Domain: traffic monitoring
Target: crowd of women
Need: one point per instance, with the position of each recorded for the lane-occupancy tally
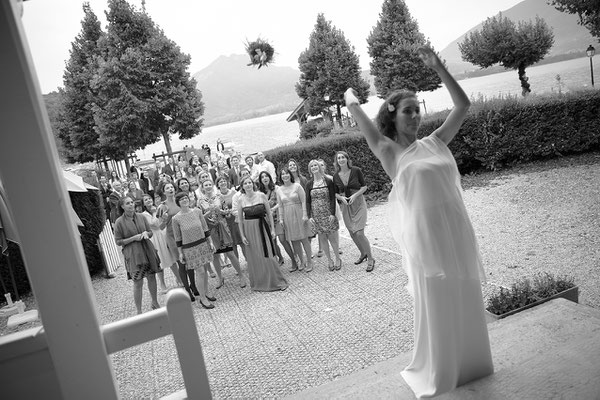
(199, 222)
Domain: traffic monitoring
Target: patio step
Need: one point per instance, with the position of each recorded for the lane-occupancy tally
(551, 351)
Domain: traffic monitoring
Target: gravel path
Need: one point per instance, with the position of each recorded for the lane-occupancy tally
(540, 217)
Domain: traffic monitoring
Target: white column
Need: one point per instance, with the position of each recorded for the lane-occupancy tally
(53, 254)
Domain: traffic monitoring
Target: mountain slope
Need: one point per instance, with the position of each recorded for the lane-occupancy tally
(569, 37)
(233, 91)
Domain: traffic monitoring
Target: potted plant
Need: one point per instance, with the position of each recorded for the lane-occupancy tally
(530, 292)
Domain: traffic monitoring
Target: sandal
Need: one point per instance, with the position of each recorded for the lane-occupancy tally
(309, 267)
(294, 268)
(370, 265)
(331, 266)
(338, 266)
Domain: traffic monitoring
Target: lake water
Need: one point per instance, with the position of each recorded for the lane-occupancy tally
(264, 133)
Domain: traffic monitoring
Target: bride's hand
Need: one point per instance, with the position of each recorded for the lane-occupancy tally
(350, 97)
(429, 58)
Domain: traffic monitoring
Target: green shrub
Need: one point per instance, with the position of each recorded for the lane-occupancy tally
(496, 133)
(526, 291)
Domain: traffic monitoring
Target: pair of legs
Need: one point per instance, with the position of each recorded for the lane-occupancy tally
(188, 279)
(333, 238)
(161, 277)
(305, 261)
(361, 241)
(289, 250)
(202, 276)
(235, 262)
(138, 285)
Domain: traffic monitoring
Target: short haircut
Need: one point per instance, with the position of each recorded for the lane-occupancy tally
(180, 196)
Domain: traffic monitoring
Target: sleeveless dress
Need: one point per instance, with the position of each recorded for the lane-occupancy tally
(263, 269)
(159, 240)
(294, 226)
(320, 210)
(441, 258)
(219, 230)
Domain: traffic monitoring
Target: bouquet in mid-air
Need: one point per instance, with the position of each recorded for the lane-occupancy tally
(261, 53)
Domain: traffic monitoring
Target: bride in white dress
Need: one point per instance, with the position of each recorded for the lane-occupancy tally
(439, 249)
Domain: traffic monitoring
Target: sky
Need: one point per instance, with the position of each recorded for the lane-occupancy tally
(207, 29)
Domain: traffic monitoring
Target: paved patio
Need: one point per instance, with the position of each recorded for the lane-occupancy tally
(269, 345)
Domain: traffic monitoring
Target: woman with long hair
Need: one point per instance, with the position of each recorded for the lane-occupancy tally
(294, 170)
(294, 219)
(212, 208)
(133, 234)
(159, 240)
(226, 193)
(350, 186)
(430, 222)
(256, 228)
(321, 210)
(114, 176)
(136, 194)
(267, 186)
(183, 185)
(194, 244)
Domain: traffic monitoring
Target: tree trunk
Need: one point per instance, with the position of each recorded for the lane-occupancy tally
(339, 115)
(167, 141)
(523, 78)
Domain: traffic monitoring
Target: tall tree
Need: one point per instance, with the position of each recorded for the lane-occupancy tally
(393, 45)
(144, 89)
(327, 68)
(588, 12)
(502, 42)
(75, 119)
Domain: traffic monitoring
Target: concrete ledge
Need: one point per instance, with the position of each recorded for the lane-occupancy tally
(548, 352)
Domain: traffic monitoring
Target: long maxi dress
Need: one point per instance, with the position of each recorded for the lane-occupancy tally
(263, 269)
(441, 258)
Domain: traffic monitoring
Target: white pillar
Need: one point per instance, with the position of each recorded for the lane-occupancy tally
(53, 254)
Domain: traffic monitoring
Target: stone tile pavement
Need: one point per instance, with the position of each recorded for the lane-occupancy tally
(269, 345)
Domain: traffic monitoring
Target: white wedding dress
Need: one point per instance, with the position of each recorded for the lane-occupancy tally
(441, 258)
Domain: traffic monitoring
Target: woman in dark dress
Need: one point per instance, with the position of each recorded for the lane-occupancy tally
(133, 234)
(350, 186)
(256, 228)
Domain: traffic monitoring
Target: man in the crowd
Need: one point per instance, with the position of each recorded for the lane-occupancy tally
(252, 168)
(113, 200)
(265, 165)
(169, 169)
(234, 171)
(105, 190)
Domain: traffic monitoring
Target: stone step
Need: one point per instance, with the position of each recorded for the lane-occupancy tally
(551, 351)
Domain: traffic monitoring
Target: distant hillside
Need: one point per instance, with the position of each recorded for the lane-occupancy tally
(233, 91)
(569, 37)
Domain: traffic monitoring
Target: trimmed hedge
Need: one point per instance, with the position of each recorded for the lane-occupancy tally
(496, 133)
(88, 206)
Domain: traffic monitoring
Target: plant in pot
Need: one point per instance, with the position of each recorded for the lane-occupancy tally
(529, 292)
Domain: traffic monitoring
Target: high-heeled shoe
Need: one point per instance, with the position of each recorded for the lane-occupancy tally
(338, 266)
(370, 265)
(208, 307)
(360, 259)
(192, 298)
(211, 298)
(194, 290)
(220, 285)
(331, 266)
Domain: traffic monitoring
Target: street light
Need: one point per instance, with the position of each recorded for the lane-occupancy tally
(590, 53)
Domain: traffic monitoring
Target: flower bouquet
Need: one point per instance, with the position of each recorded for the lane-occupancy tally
(261, 52)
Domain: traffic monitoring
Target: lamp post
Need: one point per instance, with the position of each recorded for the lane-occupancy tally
(590, 53)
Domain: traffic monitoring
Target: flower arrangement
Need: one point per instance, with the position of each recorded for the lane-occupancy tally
(527, 291)
(261, 53)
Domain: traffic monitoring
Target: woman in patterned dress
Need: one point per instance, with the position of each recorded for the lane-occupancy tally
(194, 244)
(133, 234)
(256, 228)
(227, 194)
(212, 208)
(321, 210)
(350, 186)
(294, 219)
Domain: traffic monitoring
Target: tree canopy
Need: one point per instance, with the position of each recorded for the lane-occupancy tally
(588, 12)
(328, 67)
(75, 119)
(393, 45)
(126, 88)
(501, 41)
